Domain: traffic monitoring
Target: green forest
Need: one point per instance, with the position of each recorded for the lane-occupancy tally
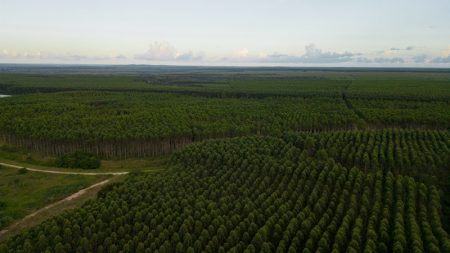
(255, 159)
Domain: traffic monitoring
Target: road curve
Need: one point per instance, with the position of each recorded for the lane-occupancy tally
(66, 172)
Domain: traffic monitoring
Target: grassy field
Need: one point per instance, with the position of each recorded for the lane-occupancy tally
(24, 191)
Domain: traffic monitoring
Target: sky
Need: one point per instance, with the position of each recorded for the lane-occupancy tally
(380, 33)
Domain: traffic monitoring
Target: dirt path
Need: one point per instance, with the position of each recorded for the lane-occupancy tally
(66, 199)
(69, 198)
(65, 172)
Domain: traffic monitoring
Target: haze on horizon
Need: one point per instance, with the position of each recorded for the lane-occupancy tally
(381, 33)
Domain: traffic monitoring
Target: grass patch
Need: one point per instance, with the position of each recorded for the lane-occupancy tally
(23, 192)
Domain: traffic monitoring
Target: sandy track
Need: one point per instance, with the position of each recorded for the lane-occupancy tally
(66, 199)
(66, 172)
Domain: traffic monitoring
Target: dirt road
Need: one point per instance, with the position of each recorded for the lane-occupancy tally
(66, 199)
(66, 172)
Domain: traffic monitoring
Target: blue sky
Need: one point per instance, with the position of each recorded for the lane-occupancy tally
(246, 32)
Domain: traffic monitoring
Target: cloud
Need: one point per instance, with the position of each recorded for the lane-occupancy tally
(121, 57)
(242, 53)
(7, 54)
(394, 60)
(164, 51)
(62, 57)
(383, 60)
(189, 56)
(408, 48)
(363, 60)
(441, 59)
(420, 58)
(315, 55)
(4, 54)
(312, 55)
(161, 51)
(396, 50)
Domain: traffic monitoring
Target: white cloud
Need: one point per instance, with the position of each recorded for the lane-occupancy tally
(316, 56)
(396, 50)
(160, 51)
(164, 51)
(393, 60)
(189, 56)
(25, 56)
(441, 59)
(242, 53)
(408, 48)
(312, 55)
(381, 60)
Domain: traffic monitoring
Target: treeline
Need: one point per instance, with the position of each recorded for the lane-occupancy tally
(249, 195)
(121, 125)
(107, 149)
(255, 85)
(409, 86)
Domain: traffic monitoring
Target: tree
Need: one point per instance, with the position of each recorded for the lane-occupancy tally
(79, 159)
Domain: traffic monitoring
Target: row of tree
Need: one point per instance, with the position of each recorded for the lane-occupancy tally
(418, 153)
(249, 195)
(422, 154)
(404, 113)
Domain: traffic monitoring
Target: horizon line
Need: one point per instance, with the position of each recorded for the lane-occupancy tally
(222, 66)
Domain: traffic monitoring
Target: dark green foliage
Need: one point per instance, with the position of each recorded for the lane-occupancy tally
(124, 125)
(422, 154)
(122, 116)
(250, 195)
(5, 220)
(335, 173)
(78, 159)
(22, 171)
(404, 113)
